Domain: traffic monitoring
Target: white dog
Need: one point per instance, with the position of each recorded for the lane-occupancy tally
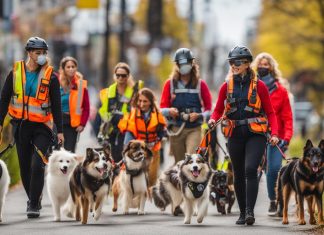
(194, 176)
(61, 165)
(4, 184)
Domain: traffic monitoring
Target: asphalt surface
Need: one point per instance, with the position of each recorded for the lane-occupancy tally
(153, 222)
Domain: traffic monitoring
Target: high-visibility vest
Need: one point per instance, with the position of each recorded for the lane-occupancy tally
(109, 94)
(147, 132)
(22, 106)
(75, 101)
(258, 124)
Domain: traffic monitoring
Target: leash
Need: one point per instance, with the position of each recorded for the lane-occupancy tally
(172, 134)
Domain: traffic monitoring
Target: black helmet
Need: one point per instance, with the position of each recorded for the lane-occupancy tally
(240, 52)
(183, 56)
(36, 43)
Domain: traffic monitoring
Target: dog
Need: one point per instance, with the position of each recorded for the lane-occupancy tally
(4, 185)
(195, 174)
(304, 176)
(90, 183)
(222, 189)
(168, 190)
(132, 182)
(60, 166)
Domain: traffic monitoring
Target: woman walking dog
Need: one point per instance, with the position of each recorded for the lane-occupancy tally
(245, 110)
(32, 93)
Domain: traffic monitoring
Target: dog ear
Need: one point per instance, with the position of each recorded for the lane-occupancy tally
(321, 146)
(89, 152)
(308, 145)
(126, 148)
(187, 157)
(107, 150)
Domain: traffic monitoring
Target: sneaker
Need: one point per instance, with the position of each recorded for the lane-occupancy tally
(241, 219)
(272, 209)
(249, 217)
(33, 212)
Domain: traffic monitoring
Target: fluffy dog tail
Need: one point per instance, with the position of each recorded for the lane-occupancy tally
(158, 198)
(69, 208)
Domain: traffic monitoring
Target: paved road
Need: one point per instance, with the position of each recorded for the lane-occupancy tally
(153, 222)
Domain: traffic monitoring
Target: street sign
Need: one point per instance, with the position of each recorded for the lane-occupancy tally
(93, 4)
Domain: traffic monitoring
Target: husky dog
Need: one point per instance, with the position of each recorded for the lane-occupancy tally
(90, 183)
(168, 190)
(60, 166)
(195, 173)
(304, 176)
(132, 182)
(4, 185)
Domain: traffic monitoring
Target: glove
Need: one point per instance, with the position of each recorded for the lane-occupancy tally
(283, 145)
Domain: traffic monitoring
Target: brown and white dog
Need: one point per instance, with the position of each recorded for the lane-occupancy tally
(195, 173)
(90, 183)
(132, 182)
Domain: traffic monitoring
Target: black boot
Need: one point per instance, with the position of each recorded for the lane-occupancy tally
(249, 216)
(241, 219)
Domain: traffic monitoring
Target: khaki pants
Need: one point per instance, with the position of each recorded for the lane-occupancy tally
(154, 168)
(186, 142)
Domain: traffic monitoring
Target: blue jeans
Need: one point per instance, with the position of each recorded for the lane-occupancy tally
(274, 160)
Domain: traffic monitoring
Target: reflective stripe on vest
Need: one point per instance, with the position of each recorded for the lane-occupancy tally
(110, 93)
(197, 90)
(75, 101)
(36, 109)
(258, 124)
(147, 132)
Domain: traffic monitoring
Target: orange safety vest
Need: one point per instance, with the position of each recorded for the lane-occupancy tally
(22, 106)
(75, 100)
(141, 130)
(257, 124)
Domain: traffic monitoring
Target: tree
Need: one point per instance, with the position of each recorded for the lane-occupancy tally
(293, 32)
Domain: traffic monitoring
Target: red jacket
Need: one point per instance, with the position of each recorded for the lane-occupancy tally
(265, 103)
(281, 105)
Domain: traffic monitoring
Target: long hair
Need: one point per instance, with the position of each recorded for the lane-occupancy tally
(130, 79)
(274, 70)
(194, 73)
(148, 93)
(64, 81)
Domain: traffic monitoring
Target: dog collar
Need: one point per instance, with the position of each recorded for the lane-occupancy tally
(197, 189)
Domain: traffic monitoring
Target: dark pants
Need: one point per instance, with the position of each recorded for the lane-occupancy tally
(70, 138)
(116, 141)
(69, 133)
(32, 167)
(246, 153)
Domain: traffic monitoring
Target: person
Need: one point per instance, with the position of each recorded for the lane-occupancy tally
(31, 96)
(268, 72)
(184, 96)
(75, 101)
(145, 122)
(244, 109)
(116, 101)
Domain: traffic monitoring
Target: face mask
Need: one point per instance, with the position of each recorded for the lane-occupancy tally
(41, 60)
(263, 72)
(185, 69)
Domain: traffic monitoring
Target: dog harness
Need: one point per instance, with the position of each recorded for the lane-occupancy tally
(134, 173)
(94, 184)
(197, 189)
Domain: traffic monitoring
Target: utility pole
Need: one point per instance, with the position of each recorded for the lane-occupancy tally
(122, 44)
(191, 20)
(105, 63)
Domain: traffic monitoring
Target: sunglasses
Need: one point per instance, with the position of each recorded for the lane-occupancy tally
(121, 75)
(237, 62)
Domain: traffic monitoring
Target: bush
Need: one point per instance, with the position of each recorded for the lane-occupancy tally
(296, 146)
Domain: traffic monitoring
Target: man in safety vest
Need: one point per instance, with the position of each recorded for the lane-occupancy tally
(31, 96)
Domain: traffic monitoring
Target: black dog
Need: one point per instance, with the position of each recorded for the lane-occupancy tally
(221, 192)
(304, 176)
